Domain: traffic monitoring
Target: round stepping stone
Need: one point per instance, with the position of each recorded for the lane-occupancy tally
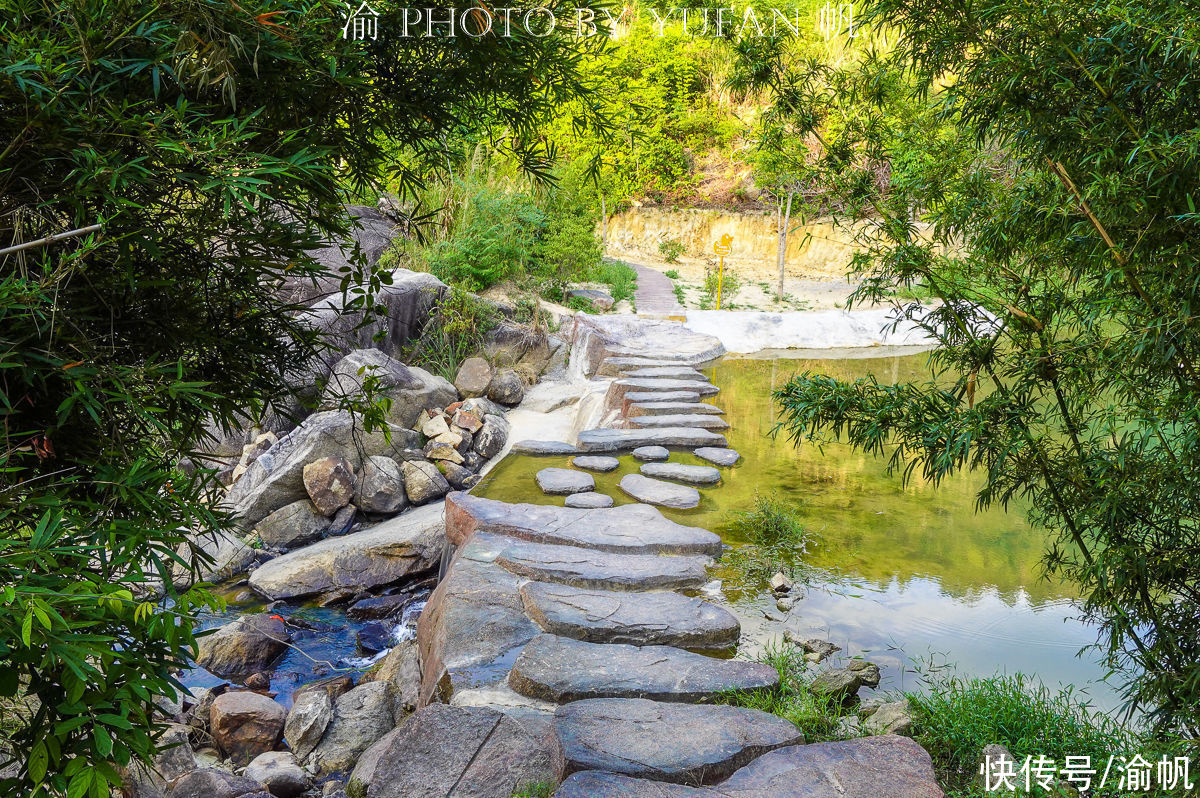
(691, 743)
(703, 421)
(564, 481)
(543, 447)
(589, 500)
(594, 462)
(651, 453)
(697, 475)
(664, 494)
(559, 669)
(724, 457)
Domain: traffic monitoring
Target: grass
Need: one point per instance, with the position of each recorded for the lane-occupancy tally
(778, 541)
(537, 789)
(620, 278)
(674, 275)
(455, 331)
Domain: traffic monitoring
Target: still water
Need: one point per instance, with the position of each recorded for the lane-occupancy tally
(909, 576)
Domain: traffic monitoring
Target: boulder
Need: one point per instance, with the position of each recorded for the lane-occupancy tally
(481, 406)
(431, 427)
(279, 772)
(246, 724)
(377, 607)
(360, 717)
(473, 378)
(306, 722)
(373, 637)
(468, 421)
(843, 684)
(570, 565)
(588, 501)
(506, 388)
(401, 669)
(380, 555)
(292, 525)
(371, 232)
(329, 483)
(663, 494)
(563, 481)
(423, 482)
(213, 783)
(444, 751)
(380, 487)
(491, 436)
(651, 341)
(460, 478)
(249, 645)
(892, 717)
(438, 450)
(229, 554)
(617, 389)
(350, 375)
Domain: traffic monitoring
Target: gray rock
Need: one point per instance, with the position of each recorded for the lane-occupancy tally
(380, 487)
(588, 501)
(635, 409)
(213, 783)
(564, 481)
(438, 450)
(619, 366)
(893, 717)
(491, 436)
(682, 743)
(816, 650)
(423, 482)
(307, 721)
(598, 784)
(720, 456)
(640, 619)
(629, 529)
(377, 556)
(329, 482)
(543, 448)
(279, 772)
(642, 397)
(843, 684)
(459, 477)
(401, 668)
(370, 230)
(600, 300)
(249, 645)
(619, 440)
(599, 463)
(245, 724)
(349, 375)
(651, 453)
(699, 420)
(697, 475)
(570, 565)
(506, 388)
(292, 525)
(460, 751)
(618, 388)
(482, 406)
(665, 372)
(664, 494)
(866, 767)
(561, 670)
(473, 377)
(230, 554)
(598, 338)
(360, 717)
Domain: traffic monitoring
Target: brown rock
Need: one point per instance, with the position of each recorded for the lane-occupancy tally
(329, 483)
(246, 724)
(247, 646)
(473, 377)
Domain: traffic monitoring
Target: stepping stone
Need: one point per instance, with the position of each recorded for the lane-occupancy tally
(564, 481)
(620, 440)
(634, 409)
(681, 420)
(599, 463)
(724, 457)
(697, 475)
(629, 529)
(617, 366)
(640, 619)
(692, 743)
(570, 565)
(666, 372)
(618, 388)
(598, 784)
(589, 501)
(866, 767)
(637, 397)
(543, 447)
(651, 453)
(664, 494)
(561, 670)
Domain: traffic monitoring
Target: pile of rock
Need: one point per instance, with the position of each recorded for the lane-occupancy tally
(476, 377)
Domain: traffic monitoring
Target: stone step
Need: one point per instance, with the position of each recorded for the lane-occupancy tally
(720, 456)
(665, 372)
(656, 618)
(559, 669)
(563, 481)
(679, 420)
(634, 409)
(681, 743)
(543, 448)
(664, 494)
(696, 475)
(618, 388)
(616, 366)
(622, 440)
(570, 565)
(628, 529)
(639, 397)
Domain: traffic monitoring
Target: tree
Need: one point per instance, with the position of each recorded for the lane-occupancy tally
(214, 143)
(1053, 151)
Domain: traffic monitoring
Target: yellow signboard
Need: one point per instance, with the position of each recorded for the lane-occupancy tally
(723, 246)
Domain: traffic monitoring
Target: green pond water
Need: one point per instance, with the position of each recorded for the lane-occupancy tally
(910, 576)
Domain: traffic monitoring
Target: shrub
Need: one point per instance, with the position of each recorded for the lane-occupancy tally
(494, 241)
(671, 249)
(455, 331)
(728, 282)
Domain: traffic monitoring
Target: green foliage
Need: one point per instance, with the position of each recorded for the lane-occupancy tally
(671, 249)
(728, 282)
(620, 278)
(674, 275)
(491, 243)
(456, 330)
(537, 789)
(777, 543)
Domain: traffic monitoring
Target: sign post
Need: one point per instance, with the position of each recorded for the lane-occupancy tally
(722, 247)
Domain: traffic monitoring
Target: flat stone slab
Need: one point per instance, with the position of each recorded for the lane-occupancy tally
(563, 481)
(620, 440)
(697, 475)
(637, 397)
(654, 385)
(596, 462)
(629, 529)
(589, 501)
(598, 784)
(618, 366)
(701, 420)
(664, 494)
(543, 447)
(559, 669)
(650, 454)
(867, 767)
(599, 338)
(665, 372)
(640, 619)
(570, 565)
(682, 743)
(724, 457)
(635, 409)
